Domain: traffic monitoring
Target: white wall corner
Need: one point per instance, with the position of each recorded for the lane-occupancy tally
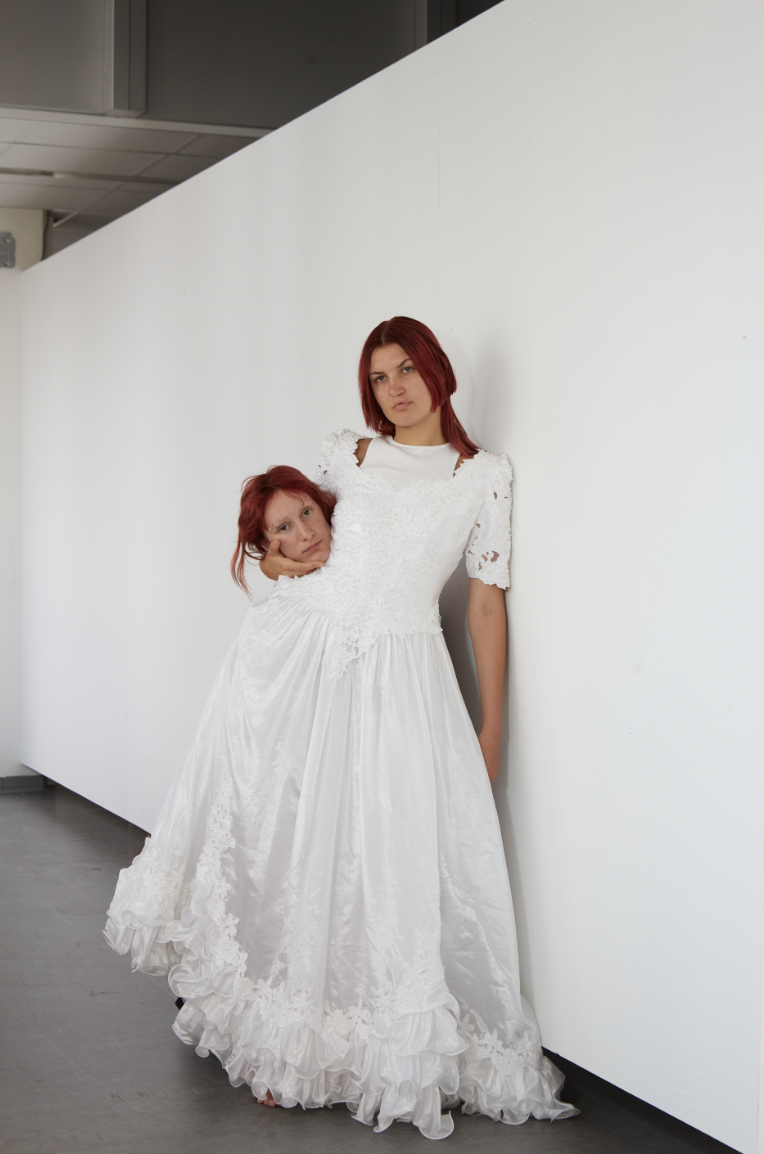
(27, 229)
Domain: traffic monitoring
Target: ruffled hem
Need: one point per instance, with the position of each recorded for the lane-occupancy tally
(399, 1076)
(409, 1073)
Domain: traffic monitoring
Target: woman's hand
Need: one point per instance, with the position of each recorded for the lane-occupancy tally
(274, 564)
(489, 743)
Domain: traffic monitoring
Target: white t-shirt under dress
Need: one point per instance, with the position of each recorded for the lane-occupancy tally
(402, 464)
(326, 883)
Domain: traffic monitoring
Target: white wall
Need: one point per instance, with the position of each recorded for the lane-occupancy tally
(26, 227)
(568, 191)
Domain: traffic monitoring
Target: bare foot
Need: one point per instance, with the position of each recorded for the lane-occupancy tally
(268, 1100)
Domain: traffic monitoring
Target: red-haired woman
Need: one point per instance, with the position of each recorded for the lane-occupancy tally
(326, 885)
(283, 511)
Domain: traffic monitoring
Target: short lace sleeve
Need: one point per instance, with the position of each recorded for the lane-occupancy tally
(336, 452)
(490, 541)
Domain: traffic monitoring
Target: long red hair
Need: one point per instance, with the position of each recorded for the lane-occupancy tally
(433, 366)
(256, 493)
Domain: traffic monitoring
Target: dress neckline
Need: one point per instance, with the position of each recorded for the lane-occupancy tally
(380, 478)
(416, 448)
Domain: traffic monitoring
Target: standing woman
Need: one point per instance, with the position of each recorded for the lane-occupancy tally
(336, 909)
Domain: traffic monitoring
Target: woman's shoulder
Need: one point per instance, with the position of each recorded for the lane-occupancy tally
(493, 466)
(339, 445)
(362, 448)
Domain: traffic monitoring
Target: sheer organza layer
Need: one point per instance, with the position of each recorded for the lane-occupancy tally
(326, 886)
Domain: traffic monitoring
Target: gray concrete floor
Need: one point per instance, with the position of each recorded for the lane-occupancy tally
(89, 1062)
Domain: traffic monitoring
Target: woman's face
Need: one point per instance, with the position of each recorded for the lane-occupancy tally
(299, 525)
(401, 393)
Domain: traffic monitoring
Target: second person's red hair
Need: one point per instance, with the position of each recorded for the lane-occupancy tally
(256, 494)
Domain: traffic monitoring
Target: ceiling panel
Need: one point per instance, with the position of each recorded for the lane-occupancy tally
(217, 146)
(121, 201)
(56, 159)
(57, 183)
(177, 168)
(151, 191)
(12, 129)
(85, 222)
(61, 199)
(93, 136)
(117, 150)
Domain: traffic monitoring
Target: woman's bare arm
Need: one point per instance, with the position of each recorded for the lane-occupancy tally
(487, 620)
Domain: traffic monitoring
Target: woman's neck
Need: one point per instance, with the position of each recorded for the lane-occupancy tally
(425, 432)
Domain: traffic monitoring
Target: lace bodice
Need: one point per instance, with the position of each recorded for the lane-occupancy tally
(392, 552)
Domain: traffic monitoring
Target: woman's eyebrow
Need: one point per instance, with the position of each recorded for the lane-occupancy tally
(382, 373)
(286, 520)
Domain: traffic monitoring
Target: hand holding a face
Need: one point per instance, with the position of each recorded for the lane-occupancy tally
(299, 537)
(275, 564)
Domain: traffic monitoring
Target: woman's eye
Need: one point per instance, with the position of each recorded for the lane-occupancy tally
(307, 512)
(407, 368)
(282, 528)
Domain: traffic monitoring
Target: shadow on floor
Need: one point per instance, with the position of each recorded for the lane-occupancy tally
(90, 1064)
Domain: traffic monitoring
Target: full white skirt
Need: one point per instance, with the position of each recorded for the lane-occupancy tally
(326, 886)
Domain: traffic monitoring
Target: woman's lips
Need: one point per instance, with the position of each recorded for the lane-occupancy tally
(401, 405)
(312, 547)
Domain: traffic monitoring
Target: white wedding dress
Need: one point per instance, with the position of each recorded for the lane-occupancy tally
(326, 883)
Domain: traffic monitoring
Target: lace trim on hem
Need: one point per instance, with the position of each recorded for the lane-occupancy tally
(359, 1023)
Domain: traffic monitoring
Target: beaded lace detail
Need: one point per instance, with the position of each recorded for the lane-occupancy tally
(211, 878)
(388, 546)
(490, 541)
(509, 1058)
(375, 1010)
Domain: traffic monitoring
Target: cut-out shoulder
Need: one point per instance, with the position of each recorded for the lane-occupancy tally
(361, 448)
(460, 462)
